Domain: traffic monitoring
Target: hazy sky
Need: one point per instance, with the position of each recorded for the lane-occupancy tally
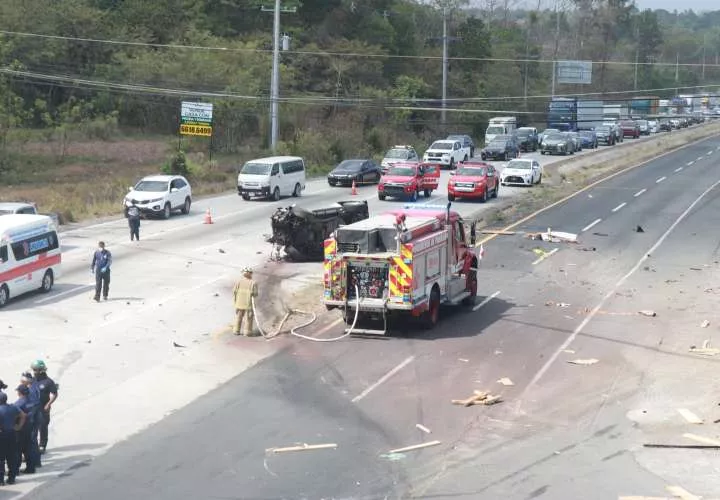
(670, 5)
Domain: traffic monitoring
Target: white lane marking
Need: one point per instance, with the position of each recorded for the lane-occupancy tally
(383, 379)
(487, 299)
(611, 293)
(678, 169)
(699, 158)
(591, 225)
(639, 193)
(660, 180)
(545, 256)
(619, 207)
(709, 153)
(206, 247)
(690, 163)
(62, 294)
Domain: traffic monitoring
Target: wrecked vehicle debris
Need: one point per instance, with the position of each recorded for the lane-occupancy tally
(301, 232)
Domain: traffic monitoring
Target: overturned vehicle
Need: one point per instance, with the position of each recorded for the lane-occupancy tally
(301, 233)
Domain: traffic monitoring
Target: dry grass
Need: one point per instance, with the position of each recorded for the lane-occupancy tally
(565, 178)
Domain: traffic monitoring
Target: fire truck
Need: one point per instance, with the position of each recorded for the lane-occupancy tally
(403, 264)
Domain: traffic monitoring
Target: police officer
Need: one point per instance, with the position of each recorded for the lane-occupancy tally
(11, 420)
(133, 216)
(100, 266)
(26, 449)
(243, 293)
(33, 403)
(48, 391)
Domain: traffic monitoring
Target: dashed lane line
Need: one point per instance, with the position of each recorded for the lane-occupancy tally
(383, 379)
(660, 180)
(639, 193)
(690, 163)
(619, 207)
(591, 225)
(545, 256)
(678, 169)
(485, 302)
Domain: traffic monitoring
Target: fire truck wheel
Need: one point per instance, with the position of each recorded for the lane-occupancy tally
(432, 315)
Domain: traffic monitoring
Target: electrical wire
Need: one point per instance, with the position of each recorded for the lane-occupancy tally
(336, 54)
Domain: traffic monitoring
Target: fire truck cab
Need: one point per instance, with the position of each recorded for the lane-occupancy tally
(402, 264)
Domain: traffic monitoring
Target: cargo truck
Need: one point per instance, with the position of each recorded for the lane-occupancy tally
(572, 114)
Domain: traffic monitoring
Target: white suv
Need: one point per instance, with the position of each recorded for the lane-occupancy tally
(447, 153)
(399, 154)
(160, 195)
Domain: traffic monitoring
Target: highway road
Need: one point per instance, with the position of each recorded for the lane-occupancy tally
(158, 351)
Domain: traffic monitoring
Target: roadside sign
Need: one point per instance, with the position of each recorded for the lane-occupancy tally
(574, 72)
(196, 118)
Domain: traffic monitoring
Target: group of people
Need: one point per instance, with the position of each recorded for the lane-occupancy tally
(24, 424)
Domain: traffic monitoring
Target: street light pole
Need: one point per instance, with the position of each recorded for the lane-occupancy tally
(275, 80)
(445, 65)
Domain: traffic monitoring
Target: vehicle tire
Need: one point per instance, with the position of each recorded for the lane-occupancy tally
(542, 153)
(539, 180)
(381, 197)
(246, 197)
(186, 206)
(4, 295)
(471, 286)
(452, 163)
(451, 197)
(47, 282)
(166, 211)
(414, 196)
(495, 191)
(485, 195)
(427, 193)
(297, 191)
(432, 315)
(465, 158)
(276, 194)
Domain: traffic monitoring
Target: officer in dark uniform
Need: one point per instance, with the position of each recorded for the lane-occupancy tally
(11, 420)
(48, 394)
(26, 449)
(33, 398)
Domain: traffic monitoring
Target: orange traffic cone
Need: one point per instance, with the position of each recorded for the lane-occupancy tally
(208, 217)
(354, 189)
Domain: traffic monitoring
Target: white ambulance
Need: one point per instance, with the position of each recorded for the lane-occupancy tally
(29, 255)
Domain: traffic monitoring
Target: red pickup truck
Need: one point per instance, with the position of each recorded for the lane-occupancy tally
(407, 180)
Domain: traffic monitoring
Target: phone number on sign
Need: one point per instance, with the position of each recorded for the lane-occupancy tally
(196, 130)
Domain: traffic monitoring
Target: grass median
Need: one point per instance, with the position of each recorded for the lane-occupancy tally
(564, 178)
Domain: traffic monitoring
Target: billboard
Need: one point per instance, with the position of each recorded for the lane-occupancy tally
(574, 72)
(196, 118)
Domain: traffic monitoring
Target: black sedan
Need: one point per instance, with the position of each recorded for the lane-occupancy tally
(500, 148)
(360, 171)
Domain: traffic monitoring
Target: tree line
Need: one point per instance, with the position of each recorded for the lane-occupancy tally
(358, 75)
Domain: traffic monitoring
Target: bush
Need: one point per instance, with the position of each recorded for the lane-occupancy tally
(177, 165)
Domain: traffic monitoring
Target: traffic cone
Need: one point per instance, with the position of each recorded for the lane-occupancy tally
(354, 188)
(208, 217)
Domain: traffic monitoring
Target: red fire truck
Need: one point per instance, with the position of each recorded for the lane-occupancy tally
(402, 264)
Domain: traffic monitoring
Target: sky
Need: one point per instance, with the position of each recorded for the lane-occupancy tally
(670, 5)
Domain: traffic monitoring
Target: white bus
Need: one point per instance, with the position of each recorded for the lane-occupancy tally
(29, 255)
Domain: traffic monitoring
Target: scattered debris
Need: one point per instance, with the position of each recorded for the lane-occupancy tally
(696, 268)
(681, 493)
(175, 344)
(704, 324)
(590, 361)
(221, 250)
(600, 234)
(539, 252)
(559, 237)
(587, 249)
(478, 398)
(498, 351)
(682, 446)
(705, 350)
(423, 428)
(498, 231)
(464, 360)
(672, 281)
(414, 447)
(393, 457)
(649, 268)
(690, 416)
(569, 351)
(639, 229)
(505, 381)
(702, 439)
(302, 447)
(557, 304)
(650, 314)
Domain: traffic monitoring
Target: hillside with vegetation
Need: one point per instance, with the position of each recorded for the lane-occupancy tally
(90, 90)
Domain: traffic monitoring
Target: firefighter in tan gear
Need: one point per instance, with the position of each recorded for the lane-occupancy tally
(245, 290)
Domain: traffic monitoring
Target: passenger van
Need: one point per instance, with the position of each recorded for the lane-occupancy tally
(272, 177)
(29, 255)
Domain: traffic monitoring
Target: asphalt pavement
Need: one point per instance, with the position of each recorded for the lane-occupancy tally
(562, 430)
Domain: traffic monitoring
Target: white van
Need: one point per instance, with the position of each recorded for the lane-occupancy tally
(272, 177)
(30, 255)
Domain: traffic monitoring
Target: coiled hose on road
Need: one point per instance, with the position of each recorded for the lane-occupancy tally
(293, 331)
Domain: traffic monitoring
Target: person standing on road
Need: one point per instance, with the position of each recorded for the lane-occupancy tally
(133, 216)
(101, 262)
(48, 391)
(11, 420)
(244, 292)
(25, 448)
(33, 398)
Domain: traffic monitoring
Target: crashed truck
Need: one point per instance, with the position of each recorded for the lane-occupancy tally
(300, 233)
(399, 266)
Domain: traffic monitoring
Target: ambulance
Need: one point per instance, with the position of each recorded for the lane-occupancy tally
(403, 264)
(30, 255)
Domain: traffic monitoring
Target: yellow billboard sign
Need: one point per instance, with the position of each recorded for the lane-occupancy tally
(202, 130)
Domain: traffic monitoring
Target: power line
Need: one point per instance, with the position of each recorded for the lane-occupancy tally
(336, 54)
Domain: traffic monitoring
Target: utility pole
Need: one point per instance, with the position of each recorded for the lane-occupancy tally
(557, 43)
(637, 54)
(703, 64)
(677, 67)
(275, 77)
(445, 66)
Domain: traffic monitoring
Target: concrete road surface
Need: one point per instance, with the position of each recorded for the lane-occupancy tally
(563, 430)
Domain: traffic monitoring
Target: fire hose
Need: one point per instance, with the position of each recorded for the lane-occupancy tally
(294, 330)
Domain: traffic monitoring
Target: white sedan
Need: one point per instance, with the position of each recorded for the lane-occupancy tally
(523, 172)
